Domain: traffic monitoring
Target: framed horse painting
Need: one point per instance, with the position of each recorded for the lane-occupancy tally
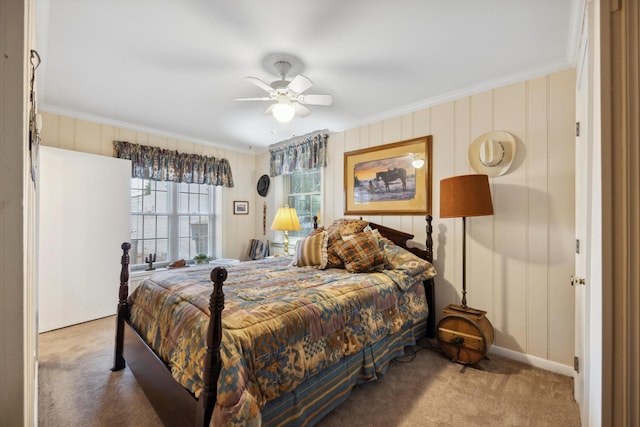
(390, 179)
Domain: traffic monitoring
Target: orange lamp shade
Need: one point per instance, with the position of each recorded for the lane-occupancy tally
(465, 195)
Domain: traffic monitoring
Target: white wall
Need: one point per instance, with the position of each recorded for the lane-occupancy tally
(521, 258)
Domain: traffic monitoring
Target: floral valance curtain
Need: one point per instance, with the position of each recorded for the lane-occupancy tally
(309, 153)
(160, 164)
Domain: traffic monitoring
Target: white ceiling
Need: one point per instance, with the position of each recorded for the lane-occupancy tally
(175, 67)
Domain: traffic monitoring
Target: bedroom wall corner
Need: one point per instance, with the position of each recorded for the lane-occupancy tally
(519, 259)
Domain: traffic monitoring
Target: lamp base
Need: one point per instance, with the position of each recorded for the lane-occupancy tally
(464, 334)
(285, 242)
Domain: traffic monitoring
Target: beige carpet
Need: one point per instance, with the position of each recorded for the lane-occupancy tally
(77, 388)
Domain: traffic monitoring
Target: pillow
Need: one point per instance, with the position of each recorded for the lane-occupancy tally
(348, 227)
(333, 259)
(335, 230)
(312, 251)
(373, 234)
(360, 254)
(400, 258)
(316, 231)
(407, 268)
(333, 236)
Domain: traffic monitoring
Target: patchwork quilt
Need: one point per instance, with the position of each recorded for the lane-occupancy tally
(281, 324)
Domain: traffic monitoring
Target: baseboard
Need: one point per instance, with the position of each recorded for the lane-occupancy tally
(534, 361)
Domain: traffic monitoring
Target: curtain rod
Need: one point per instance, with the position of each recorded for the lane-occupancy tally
(297, 139)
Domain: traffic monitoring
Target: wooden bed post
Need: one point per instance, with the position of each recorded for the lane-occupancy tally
(123, 308)
(212, 361)
(429, 241)
(429, 284)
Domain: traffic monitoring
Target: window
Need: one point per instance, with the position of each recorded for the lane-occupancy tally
(303, 191)
(172, 220)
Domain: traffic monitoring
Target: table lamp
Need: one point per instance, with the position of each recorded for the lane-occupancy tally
(460, 197)
(286, 220)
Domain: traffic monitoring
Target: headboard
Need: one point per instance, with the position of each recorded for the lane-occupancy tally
(401, 238)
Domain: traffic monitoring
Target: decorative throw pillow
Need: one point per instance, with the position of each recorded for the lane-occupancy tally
(335, 230)
(333, 260)
(348, 227)
(360, 254)
(373, 234)
(312, 251)
(334, 235)
(316, 231)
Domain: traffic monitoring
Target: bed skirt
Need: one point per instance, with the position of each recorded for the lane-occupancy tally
(320, 394)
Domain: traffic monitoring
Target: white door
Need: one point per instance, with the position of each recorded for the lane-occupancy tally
(83, 218)
(582, 196)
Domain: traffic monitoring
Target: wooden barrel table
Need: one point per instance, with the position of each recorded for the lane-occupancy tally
(465, 334)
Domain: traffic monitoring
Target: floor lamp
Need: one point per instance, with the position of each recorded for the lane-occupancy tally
(460, 197)
(464, 333)
(286, 220)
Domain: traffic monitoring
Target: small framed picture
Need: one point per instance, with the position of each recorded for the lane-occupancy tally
(240, 207)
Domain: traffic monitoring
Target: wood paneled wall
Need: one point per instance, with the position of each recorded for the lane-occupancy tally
(520, 259)
(88, 137)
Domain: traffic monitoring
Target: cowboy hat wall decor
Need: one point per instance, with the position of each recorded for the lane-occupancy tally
(263, 185)
(492, 153)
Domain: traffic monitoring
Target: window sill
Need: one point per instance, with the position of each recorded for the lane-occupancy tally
(223, 261)
(144, 273)
(215, 262)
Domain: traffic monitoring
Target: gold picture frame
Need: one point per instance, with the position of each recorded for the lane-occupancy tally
(389, 179)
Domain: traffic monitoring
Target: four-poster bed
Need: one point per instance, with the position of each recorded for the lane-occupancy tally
(396, 312)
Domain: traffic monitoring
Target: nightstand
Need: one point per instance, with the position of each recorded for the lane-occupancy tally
(464, 334)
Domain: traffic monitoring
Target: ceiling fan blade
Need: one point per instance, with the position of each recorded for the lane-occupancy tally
(253, 99)
(301, 110)
(316, 99)
(268, 110)
(262, 85)
(299, 84)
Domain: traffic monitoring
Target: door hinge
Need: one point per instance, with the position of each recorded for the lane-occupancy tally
(577, 128)
(577, 246)
(576, 364)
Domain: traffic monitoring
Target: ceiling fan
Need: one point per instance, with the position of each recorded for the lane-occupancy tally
(288, 94)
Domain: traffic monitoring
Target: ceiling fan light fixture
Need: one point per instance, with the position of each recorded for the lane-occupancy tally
(288, 96)
(283, 111)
